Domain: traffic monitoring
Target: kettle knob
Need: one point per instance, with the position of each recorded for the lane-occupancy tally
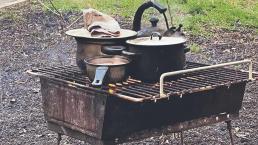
(154, 21)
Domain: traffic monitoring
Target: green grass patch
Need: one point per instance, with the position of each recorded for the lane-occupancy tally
(199, 17)
(124, 8)
(195, 48)
(205, 15)
(11, 15)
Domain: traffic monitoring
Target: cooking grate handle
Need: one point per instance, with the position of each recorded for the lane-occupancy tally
(164, 75)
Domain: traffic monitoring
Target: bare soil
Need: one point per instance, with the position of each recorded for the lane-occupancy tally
(34, 38)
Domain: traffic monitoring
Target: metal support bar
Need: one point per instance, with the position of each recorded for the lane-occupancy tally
(59, 138)
(164, 75)
(132, 99)
(251, 70)
(229, 127)
(182, 138)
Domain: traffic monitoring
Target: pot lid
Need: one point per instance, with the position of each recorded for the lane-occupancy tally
(156, 41)
(84, 33)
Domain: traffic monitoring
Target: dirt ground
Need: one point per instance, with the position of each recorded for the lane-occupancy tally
(33, 38)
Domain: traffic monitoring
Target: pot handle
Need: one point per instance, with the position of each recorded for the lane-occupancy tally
(127, 53)
(112, 50)
(187, 49)
(99, 75)
(117, 50)
(155, 34)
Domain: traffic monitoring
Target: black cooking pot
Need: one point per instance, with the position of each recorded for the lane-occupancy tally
(152, 56)
(89, 46)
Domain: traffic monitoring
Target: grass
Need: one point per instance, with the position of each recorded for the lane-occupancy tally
(195, 48)
(11, 15)
(203, 15)
(122, 7)
(199, 17)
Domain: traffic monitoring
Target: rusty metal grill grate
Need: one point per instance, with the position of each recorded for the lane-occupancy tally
(187, 83)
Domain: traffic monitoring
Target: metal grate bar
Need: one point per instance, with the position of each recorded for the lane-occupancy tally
(187, 83)
(64, 75)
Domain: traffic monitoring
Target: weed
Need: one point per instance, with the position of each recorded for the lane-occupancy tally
(195, 48)
(13, 16)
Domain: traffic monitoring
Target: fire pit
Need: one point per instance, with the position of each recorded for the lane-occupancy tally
(111, 114)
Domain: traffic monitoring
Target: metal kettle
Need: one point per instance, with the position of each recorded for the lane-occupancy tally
(153, 20)
(147, 31)
(171, 31)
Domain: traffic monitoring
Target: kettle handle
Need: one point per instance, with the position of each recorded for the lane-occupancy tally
(141, 9)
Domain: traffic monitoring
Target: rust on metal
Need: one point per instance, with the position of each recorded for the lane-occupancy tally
(189, 83)
(75, 108)
(175, 128)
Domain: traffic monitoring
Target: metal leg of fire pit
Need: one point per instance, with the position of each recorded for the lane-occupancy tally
(59, 138)
(229, 127)
(182, 138)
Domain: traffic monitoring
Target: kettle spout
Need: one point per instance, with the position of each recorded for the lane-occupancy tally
(174, 32)
(170, 32)
(179, 28)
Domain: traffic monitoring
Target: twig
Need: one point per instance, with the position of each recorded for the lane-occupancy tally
(47, 7)
(56, 13)
(60, 14)
(170, 15)
(74, 22)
